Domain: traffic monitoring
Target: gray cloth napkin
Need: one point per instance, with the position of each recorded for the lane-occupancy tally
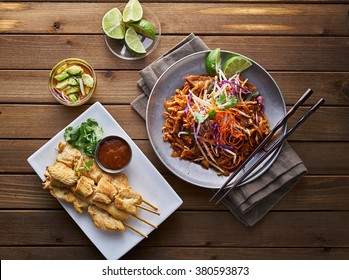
(250, 202)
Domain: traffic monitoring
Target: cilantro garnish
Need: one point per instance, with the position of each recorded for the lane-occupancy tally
(225, 102)
(84, 137)
(200, 118)
(87, 166)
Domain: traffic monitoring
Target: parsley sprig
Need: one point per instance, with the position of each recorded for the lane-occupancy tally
(85, 136)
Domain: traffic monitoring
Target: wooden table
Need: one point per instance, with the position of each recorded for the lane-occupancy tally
(303, 45)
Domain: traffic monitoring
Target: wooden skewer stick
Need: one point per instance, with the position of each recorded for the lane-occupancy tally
(151, 205)
(147, 209)
(144, 221)
(136, 230)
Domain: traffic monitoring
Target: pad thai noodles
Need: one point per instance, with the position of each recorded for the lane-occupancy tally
(215, 121)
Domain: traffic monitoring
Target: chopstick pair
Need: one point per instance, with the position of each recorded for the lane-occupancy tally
(228, 185)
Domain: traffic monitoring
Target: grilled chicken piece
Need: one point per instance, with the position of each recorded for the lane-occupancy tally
(120, 180)
(84, 186)
(67, 154)
(104, 192)
(104, 221)
(127, 200)
(54, 183)
(99, 197)
(65, 176)
(93, 172)
(113, 210)
(68, 196)
(46, 185)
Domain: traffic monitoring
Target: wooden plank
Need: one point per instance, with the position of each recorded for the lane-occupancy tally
(32, 87)
(175, 253)
(319, 161)
(277, 229)
(321, 192)
(14, 156)
(312, 193)
(199, 1)
(119, 87)
(25, 192)
(273, 53)
(51, 253)
(233, 18)
(334, 87)
(64, 230)
(327, 124)
(317, 128)
(185, 253)
(51, 119)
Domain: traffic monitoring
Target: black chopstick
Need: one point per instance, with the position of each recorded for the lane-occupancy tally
(273, 147)
(261, 146)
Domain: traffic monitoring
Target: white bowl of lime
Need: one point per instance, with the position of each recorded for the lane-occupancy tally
(131, 31)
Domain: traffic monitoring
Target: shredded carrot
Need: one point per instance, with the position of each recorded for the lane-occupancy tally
(214, 121)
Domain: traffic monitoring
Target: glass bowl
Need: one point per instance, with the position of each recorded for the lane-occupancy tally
(57, 93)
(113, 154)
(118, 47)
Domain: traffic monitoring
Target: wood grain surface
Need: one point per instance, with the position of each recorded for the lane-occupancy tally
(303, 44)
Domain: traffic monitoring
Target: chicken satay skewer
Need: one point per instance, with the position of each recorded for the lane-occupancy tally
(115, 210)
(128, 200)
(151, 205)
(145, 221)
(147, 209)
(135, 230)
(120, 213)
(125, 198)
(104, 220)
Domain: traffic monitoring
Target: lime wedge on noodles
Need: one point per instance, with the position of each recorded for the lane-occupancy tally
(133, 11)
(133, 42)
(112, 24)
(213, 62)
(235, 64)
(144, 28)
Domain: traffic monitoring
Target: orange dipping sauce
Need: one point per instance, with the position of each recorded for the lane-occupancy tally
(114, 153)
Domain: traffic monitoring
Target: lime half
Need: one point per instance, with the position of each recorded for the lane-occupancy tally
(144, 28)
(132, 41)
(213, 62)
(133, 11)
(112, 24)
(235, 64)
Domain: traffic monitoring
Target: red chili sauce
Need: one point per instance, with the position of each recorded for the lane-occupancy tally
(114, 154)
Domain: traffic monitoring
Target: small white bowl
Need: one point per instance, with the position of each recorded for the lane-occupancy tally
(105, 146)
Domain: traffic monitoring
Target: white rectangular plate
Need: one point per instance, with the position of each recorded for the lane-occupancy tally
(143, 177)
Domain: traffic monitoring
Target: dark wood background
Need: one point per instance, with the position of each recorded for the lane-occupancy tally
(303, 44)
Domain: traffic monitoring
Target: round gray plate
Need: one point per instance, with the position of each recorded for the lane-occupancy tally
(165, 87)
